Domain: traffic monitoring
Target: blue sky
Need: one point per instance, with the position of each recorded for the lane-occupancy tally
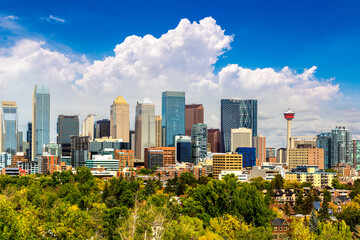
(294, 33)
(267, 34)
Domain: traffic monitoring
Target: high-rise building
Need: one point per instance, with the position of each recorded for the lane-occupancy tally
(289, 115)
(158, 131)
(183, 148)
(237, 113)
(79, 150)
(198, 142)
(248, 156)
(132, 140)
(119, 119)
(241, 137)
(323, 141)
(341, 146)
(259, 143)
(67, 126)
(306, 156)
(96, 146)
(20, 142)
(194, 113)
(173, 116)
(87, 126)
(102, 128)
(159, 157)
(214, 138)
(8, 128)
(226, 161)
(281, 155)
(144, 127)
(29, 140)
(40, 119)
(356, 154)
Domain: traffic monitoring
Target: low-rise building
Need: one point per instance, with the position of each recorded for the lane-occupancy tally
(312, 174)
(176, 170)
(242, 177)
(280, 228)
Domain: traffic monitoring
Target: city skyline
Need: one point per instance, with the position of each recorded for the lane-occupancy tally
(234, 64)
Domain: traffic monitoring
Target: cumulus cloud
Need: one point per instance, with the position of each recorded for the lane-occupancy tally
(182, 59)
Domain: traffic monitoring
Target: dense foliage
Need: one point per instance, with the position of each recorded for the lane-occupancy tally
(78, 206)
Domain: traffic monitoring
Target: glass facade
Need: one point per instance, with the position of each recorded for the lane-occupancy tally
(341, 146)
(29, 140)
(41, 119)
(198, 142)
(237, 113)
(67, 126)
(183, 150)
(9, 126)
(249, 156)
(323, 140)
(356, 154)
(173, 116)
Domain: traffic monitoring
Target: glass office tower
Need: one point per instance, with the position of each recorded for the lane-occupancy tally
(341, 146)
(67, 126)
(173, 116)
(323, 140)
(9, 127)
(198, 142)
(237, 113)
(40, 120)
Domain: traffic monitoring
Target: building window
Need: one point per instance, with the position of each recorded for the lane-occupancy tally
(275, 228)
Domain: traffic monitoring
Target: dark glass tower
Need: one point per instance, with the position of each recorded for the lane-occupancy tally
(29, 140)
(67, 126)
(173, 116)
(237, 113)
(102, 128)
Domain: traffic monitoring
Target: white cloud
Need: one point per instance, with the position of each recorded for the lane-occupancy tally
(11, 17)
(182, 59)
(52, 18)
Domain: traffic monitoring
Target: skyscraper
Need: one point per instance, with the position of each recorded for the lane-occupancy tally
(29, 140)
(119, 119)
(79, 150)
(102, 128)
(40, 119)
(194, 113)
(323, 140)
(158, 131)
(241, 137)
(214, 138)
(144, 127)
(87, 127)
(8, 127)
(237, 113)
(341, 146)
(173, 116)
(259, 142)
(20, 142)
(198, 142)
(67, 126)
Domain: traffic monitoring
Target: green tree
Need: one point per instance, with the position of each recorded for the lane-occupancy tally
(277, 182)
(324, 211)
(314, 222)
(299, 202)
(287, 209)
(336, 183)
(308, 203)
(351, 216)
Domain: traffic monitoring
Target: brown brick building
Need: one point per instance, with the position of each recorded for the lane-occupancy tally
(194, 113)
(125, 157)
(159, 157)
(214, 138)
